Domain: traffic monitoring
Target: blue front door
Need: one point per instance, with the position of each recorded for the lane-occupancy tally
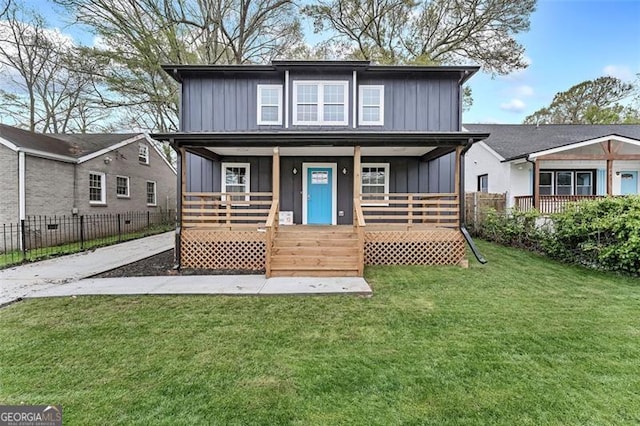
(319, 196)
(628, 183)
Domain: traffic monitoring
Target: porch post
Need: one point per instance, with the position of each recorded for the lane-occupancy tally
(456, 184)
(275, 174)
(609, 177)
(536, 184)
(357, 171)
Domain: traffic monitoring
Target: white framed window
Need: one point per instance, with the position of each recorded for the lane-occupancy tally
(151, 193)
(143, 153)
(122, 186)
(546, 183)
(371, 105)
(236, 177)
(564, 183)
(584, 183)
(374, 180)
(97, 188)
(269, 104)
(323, 103)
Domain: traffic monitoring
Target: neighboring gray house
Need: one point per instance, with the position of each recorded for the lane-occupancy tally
(53, 175)
(547, 166)
(369, 155)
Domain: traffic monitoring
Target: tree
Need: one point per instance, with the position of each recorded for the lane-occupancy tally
(50, 88)
(137, 36)
(427, 32)
(598, 101)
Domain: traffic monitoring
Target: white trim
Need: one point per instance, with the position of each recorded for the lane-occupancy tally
(103, 189)
(490, 150)
(286, 99)
(355, 100)
(110, 148)
(8, 144)
(223, 183)
(47, 155)
(571, 173)
(361, 105)
(278, 88)
(320, 103)
(146, 158)
(22, 187)
(128, 194)
(153, 143)
(386, 180)
(155, 193)
(585, 143)
(334, 189)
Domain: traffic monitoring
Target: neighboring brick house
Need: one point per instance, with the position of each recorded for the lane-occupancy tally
(54, 175)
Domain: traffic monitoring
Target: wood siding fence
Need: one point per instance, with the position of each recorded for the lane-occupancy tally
(477, 204)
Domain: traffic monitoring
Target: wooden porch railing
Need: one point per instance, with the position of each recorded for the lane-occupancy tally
(550, 204)
(271, 227)
(219, 209)
(438, 209)
(359, 223)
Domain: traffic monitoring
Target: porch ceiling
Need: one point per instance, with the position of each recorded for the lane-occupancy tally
(320, 137)
(332, 151)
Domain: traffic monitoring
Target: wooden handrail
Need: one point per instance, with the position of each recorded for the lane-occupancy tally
(358, 214)
(273, 212)
(359, 224)
(271, 227)
(439, 209)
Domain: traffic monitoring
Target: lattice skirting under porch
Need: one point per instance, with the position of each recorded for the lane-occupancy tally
(229, 250)
(420, 247)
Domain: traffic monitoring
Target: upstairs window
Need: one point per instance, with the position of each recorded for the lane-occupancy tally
(269, 104)
(143, 153)
(236, 178)
(371, 109)
(323, 103)
(97, 194)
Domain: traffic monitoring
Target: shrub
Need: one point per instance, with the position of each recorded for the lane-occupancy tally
(603, 234)
(515, 228)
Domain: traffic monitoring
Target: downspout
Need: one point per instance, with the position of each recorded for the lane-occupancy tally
(177, 249)
(534, 183)
(22, 192)
(463, 229)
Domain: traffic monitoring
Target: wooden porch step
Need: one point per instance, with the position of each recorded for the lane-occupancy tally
(322, 251)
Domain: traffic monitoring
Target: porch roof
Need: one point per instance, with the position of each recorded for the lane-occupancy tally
(294, 138)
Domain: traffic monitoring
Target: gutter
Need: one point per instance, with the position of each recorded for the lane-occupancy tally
(463, 229)
(177, 253)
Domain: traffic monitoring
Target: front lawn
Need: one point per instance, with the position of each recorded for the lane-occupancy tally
(521, 340)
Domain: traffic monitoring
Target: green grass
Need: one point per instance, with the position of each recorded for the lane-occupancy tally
(521, 340)
(16, 257)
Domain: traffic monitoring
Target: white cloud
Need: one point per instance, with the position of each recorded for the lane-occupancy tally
(514, 105)
(524, 90)
(622, 72)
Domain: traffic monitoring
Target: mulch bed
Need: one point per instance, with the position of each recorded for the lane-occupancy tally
(162, 265)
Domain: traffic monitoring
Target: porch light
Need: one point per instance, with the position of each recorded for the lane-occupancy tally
(294, 171)
(344, 170)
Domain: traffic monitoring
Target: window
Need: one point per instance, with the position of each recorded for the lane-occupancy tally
(236, 178)
(483, 183)
(97, 193)
(371, 110)
(321, 102)
(546, 183)
(564, 183)
(567, 182)
(269, 104)
(151, 193)
(143, 153)
(584, 183)
(375, 180)
(122, 187)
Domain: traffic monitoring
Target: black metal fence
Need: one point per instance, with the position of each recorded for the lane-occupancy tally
(37, 237)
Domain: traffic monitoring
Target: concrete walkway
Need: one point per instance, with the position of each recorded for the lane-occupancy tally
(68, 276)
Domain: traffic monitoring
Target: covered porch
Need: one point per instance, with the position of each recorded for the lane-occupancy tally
(272, 230)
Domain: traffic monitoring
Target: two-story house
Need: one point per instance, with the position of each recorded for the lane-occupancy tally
(317, 167)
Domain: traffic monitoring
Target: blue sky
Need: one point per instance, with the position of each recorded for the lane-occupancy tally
(570, 41)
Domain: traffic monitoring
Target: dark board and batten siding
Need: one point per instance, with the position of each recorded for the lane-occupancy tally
(406, 175)
(229, 103)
